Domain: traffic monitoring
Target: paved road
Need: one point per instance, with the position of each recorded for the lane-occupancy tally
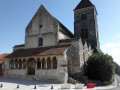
(118, 88)
(118, 83)
(118, 79)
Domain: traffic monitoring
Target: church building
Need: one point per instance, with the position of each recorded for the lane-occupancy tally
(51, 52)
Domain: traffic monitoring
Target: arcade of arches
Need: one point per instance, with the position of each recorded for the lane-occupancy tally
(34, 63)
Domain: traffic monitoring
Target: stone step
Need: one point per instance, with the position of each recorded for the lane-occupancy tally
(72, 80)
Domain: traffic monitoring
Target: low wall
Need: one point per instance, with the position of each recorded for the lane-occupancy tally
(42, 75)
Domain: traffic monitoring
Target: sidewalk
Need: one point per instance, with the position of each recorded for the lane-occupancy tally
(11, 84)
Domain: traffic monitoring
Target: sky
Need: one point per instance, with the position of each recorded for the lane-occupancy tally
(16, 14)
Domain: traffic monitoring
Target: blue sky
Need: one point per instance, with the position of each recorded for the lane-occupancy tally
(16, 14)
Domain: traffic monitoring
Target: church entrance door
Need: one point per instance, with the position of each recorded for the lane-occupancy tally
(31, 66)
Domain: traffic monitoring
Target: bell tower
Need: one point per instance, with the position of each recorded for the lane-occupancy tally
(85, 23)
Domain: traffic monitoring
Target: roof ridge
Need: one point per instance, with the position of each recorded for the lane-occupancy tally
(41, 6)
(64, 27)
(84, 4)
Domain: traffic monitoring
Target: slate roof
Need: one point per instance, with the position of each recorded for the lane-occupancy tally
(22, 45)
(2, 57)
(84, 4)
(51, 50)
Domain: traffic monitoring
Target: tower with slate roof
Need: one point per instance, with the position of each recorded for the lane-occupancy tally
(85, 24)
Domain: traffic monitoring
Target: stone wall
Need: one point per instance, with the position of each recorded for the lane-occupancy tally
(62, 36)
(58, 75)
(42, 25)
(77, 55)
(73, 56)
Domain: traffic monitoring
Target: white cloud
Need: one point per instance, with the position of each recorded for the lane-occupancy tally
(111, 45)
(112, 49)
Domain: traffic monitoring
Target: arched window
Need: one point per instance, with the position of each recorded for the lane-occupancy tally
(12, 64)
(20, 64)
(84, 33)
(38, 63)
(83, 17)
(24, 63)
(48, 63)
(16, 64)
(43, 63)
(40, 41)
(54, 61)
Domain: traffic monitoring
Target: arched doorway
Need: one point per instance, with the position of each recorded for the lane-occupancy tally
(54, 61)
(16, 64)
(24, 63)
(31, 66)
(48, 63)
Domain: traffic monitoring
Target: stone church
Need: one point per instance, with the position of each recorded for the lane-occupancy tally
(51, 52)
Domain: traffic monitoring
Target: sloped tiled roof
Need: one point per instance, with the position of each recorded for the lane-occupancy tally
(84, 4)
(2, 57)
(51, 50)
(64, 29)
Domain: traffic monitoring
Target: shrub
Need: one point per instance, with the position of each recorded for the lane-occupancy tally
(100, 67)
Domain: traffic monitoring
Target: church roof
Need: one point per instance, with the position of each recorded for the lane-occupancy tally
(42, 51)
(2, 57)
(22, 45)
(84, 4)
(62, 27)
(65, 30)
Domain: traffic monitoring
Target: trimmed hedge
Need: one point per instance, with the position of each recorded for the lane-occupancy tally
(100, 67)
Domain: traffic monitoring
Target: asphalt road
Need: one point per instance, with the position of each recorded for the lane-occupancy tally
(118, 83)
(118, 79)
(117, 88)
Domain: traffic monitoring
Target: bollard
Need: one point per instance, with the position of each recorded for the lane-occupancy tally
(90, 85)
(35, 87)
(18, 86)
(52, 87)
(1, 85)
